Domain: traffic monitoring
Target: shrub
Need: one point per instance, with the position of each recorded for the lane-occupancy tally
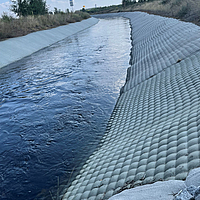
(184, 11)
(29, 7)
(177, 3)
(165, 1)
(6, 18)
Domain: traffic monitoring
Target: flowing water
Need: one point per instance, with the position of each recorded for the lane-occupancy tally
(54, 107)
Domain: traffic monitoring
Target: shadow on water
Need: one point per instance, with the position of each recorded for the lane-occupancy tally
(54, 107)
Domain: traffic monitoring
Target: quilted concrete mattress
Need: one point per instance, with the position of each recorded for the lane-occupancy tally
(153, 133)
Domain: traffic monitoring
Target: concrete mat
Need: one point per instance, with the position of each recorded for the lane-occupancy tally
(153, 133)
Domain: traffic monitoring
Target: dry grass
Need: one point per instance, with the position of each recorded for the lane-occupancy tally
(187, 10)
(10, 27)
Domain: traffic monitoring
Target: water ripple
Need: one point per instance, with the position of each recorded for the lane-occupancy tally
(54, 107)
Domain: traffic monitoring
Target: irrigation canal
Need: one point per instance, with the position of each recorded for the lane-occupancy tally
(54, 107)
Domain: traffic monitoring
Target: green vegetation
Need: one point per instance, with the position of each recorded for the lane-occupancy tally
(12, 27)
(29, 7)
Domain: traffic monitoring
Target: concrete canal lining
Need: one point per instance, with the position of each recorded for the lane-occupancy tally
(14, 49)
(154, 130)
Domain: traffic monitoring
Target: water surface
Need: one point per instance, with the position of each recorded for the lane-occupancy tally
(54, 107)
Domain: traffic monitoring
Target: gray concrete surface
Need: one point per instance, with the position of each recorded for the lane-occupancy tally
(153, 133)
(14, 49)
(166, 190)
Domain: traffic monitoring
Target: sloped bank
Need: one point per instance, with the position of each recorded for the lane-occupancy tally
(14, 49)
(153, 133)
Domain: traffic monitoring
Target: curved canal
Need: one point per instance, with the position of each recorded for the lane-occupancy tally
(54, 107)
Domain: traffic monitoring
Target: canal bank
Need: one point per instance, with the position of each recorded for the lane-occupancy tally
(153, 133)
(14, 49)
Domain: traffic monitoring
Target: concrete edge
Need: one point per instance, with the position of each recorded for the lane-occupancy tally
(14, 49)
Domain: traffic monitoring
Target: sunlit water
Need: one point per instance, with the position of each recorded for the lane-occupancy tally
(54, 107)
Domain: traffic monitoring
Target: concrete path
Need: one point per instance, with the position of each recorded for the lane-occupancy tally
(153, 133)
(15, 49)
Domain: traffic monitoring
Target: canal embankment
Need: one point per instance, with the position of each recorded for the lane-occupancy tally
(14, 49)
(153, 133)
